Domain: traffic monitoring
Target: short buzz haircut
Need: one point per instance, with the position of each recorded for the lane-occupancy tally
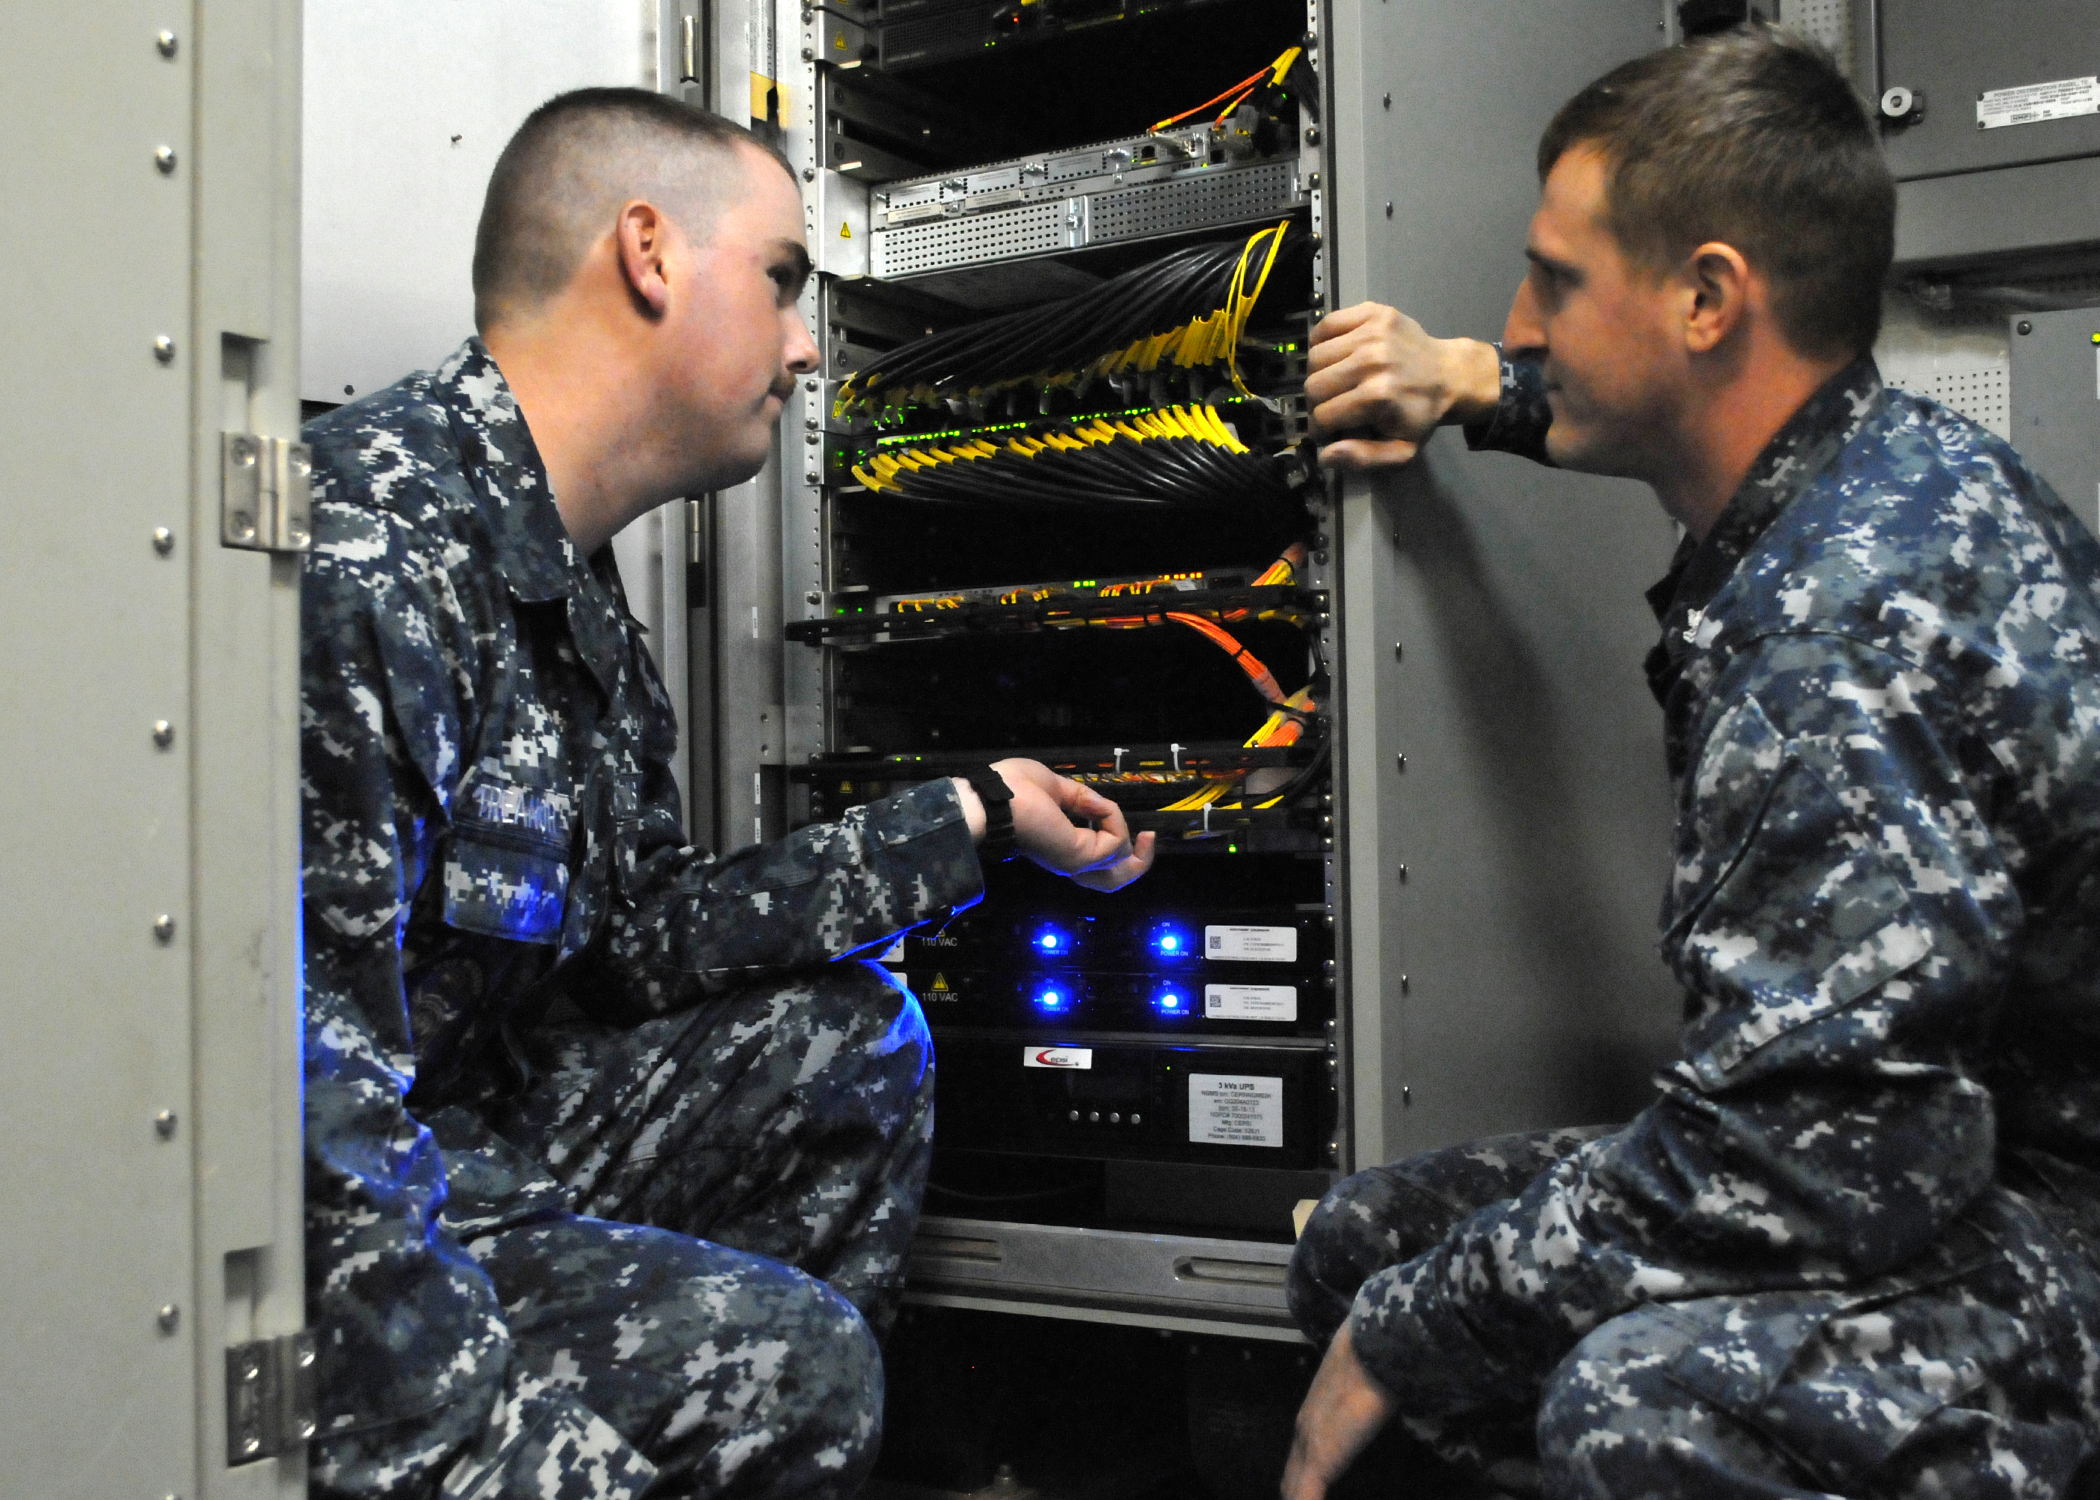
(1752, 138)
(578, 157)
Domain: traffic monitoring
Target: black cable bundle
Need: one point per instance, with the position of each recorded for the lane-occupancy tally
(1202, 292)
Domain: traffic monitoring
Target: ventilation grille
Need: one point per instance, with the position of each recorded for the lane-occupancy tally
(1190, 203)
(969, 240)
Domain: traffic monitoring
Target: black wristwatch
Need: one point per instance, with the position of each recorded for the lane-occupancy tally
(997, 797)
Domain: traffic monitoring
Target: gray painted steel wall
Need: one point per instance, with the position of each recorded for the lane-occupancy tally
(1533, 813)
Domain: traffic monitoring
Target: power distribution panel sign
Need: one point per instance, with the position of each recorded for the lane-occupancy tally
(1231, 1109)
(2035, 102)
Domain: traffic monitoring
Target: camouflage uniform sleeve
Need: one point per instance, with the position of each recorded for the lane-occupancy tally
(1519, 421)
(412, 1347)
(692, 926)
(1841, 919)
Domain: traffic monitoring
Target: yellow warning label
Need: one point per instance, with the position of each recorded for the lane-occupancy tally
(838, 43)
(939, 985)
(845, 230)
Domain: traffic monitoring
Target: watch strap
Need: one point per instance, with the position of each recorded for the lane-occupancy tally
(997, 797)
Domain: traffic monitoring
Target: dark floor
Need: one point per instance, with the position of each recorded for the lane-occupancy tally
(995, 1407)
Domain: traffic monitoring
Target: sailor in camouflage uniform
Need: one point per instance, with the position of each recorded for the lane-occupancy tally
(1849, 1248)
(614, 1148)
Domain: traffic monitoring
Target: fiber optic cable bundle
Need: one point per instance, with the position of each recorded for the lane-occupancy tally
(1186, 310)
(1179, 455)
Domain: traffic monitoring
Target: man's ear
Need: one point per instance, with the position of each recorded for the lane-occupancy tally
(1719, 280)
(640, 239)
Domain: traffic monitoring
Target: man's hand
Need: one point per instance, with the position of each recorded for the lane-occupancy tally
(1343, 1411)
(1064, 826)
(1374, 373)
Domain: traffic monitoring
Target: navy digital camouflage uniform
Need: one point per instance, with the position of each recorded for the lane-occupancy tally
(1849, 1247)
(611, 1162)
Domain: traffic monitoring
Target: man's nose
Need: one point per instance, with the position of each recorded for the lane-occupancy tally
(1524, 332)
(801, 353)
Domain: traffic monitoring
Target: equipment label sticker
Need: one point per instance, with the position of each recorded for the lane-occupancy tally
(2032, 103)
(1261, 945)
(1251, 1002)
(1057, 1057)
(1229, 1109)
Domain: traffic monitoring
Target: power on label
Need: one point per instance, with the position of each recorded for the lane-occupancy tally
(1260, 945)
(1232, 1109)
(1250, 1002)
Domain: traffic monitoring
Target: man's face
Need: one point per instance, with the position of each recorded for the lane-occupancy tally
(734, 339)
(1606, 326)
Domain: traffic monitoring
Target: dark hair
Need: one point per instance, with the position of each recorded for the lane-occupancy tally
(569, 167)
(1755, 139)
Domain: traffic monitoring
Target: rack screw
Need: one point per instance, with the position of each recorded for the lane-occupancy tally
(163, 733)
(164, 158)
(169, 1318)
(163, 540)
(164, 928)
(1397, 653)
(1388, 208)
(1403, 874)
(166, 42)
(2023, 327)
(1401, 762)
(1388, 101)
(164, 1124)
(809, 174)
(1403, 984)
(164, 349)
(1407, 1096)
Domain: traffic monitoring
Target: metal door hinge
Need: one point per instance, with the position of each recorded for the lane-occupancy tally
(265, 493)
(269, 1397)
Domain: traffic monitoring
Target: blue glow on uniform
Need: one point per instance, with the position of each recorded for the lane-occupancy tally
(1171, 941)
(1054, 940)
(1052, 999)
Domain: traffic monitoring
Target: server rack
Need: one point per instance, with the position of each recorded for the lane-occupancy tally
(867, 628)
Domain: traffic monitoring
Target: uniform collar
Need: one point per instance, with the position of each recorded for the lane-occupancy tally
(1802, 449)
(533, 550)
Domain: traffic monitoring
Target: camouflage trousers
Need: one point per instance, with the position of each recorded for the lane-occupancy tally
(747, 1176)
(1973, 1375)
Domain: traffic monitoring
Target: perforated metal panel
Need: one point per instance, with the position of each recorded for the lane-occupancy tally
(943, 243)
(1152, 208)
(1980, 389)
(1826, 21)
(1167, 207)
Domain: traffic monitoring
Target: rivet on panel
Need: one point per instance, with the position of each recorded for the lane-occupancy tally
(164, 349)
(163, 541)
(166, 43)
(164, 158)
(164, 1124)
(164, 928)
(169, 1318)
(163, 733)
(1388, 101)
(1400, 762)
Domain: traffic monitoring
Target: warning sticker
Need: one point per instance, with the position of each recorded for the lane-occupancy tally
(1261, 945)
(1251, 1002)
(2032, 103)
(1227, 1109)
(940, 989)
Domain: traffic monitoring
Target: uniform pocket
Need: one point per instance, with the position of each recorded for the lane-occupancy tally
(501, 885)
(1791, 913)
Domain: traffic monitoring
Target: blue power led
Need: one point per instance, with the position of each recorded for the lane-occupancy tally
(1052, 997)
(1051, 940)
(1171, 1000)
(1170, 940)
